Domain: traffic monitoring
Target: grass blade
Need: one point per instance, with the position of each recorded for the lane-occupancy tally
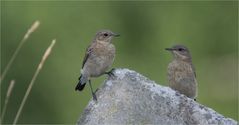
(46, 54)
(34, 26)
(9, 91)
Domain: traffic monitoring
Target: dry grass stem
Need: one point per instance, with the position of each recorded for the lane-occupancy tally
(26, 36)
(46, 54)
(32, 29)
(9, 91)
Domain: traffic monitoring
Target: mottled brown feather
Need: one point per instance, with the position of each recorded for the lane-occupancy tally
(88, 53)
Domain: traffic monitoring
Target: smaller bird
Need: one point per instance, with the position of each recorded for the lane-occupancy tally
(181, 72)
(98, 58)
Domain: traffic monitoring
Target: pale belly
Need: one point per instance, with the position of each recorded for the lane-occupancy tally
(98, 65)
(181, 78)
(101, 65)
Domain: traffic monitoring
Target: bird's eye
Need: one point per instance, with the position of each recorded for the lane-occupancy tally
(180, 49)
(105, 34)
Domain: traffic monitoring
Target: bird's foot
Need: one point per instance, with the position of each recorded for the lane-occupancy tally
(111, 73)
(94, 97)
(96, 90)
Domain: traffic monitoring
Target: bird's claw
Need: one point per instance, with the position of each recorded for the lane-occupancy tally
(111, 73)
(96, 90)
(94, 97)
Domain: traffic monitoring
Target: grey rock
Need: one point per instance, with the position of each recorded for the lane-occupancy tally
(130, 98)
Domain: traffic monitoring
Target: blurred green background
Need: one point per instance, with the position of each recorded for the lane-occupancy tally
(208, 29)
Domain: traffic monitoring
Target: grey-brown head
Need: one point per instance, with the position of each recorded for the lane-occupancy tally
(180, 52)
(105, 36)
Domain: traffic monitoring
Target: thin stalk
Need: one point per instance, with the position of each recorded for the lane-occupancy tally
(9, 91)
(46, 54)
(26, 36)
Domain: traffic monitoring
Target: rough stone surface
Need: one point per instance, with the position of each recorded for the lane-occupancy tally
(130, 98)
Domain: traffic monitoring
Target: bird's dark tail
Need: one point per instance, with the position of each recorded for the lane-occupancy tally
(81, 84)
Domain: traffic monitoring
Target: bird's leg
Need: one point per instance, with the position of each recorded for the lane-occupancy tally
(93, 93)
(96, 90)
(111, 72)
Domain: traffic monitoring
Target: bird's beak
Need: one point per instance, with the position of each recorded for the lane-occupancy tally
(169, 49)
(115, 35)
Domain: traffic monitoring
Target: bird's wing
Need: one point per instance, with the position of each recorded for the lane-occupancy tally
(87, 54)
(194, 70)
